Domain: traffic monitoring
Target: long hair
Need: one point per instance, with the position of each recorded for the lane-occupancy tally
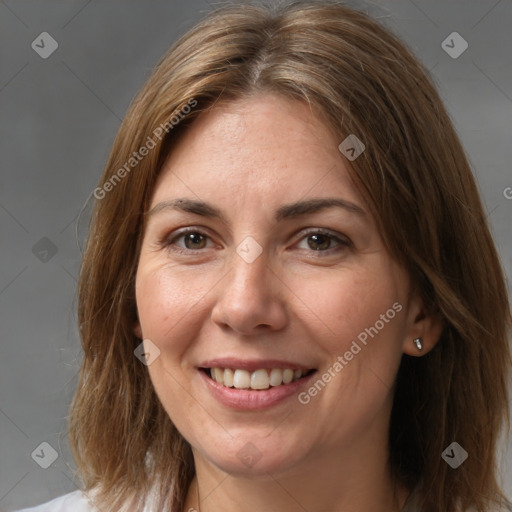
(415, 177)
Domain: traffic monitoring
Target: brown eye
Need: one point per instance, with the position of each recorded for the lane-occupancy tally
(319, 242)
(323, 242)
(194, 240)
(188, 240)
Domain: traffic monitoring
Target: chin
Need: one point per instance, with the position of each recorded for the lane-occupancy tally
(254, 459)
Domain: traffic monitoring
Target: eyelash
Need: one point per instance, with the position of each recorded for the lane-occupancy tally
(343, 243)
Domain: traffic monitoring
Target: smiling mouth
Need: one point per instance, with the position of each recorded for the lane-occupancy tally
(258, 380)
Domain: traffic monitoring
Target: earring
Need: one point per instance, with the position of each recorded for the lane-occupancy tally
(418, 343)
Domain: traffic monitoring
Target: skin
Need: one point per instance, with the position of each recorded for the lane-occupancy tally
(294, 302)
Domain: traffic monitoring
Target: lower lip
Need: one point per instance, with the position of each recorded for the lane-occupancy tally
(248, 399)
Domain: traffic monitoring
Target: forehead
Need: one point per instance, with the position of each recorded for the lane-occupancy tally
(265, 145)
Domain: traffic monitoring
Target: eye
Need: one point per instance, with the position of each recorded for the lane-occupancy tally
(192, 239)
(323, 241)
(317, 240)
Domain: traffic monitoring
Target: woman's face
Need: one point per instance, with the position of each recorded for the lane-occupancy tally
(260, 258)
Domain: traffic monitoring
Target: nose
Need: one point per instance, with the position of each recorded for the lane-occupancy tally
(251, 298)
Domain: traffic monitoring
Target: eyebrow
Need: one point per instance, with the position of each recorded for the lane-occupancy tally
(287, 211)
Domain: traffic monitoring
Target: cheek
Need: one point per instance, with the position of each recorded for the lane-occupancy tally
(365, 315)
(168, 304)
(365, 319)
(167, 300)
(351, 302)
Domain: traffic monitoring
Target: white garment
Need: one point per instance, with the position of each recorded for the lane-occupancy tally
(77, 502)
(73, 502)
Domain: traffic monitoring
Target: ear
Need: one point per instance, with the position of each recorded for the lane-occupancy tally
(421, 324)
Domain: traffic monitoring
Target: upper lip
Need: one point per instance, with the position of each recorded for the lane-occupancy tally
(252, 365)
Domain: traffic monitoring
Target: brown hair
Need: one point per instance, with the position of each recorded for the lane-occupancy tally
(417, 182)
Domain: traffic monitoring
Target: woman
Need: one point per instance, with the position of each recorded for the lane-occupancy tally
(289, 299)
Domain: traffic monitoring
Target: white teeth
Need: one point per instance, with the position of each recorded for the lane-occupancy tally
(287, 376)
(276, 377)
(241, 379)
(259, 379)
(228, 378)
(218, 375)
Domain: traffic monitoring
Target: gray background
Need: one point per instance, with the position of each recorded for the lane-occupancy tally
(58, 119)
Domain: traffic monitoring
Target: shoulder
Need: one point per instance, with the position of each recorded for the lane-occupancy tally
(82, 501)
(73, 502)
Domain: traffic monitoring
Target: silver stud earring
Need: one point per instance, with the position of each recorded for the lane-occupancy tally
(418, 343)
